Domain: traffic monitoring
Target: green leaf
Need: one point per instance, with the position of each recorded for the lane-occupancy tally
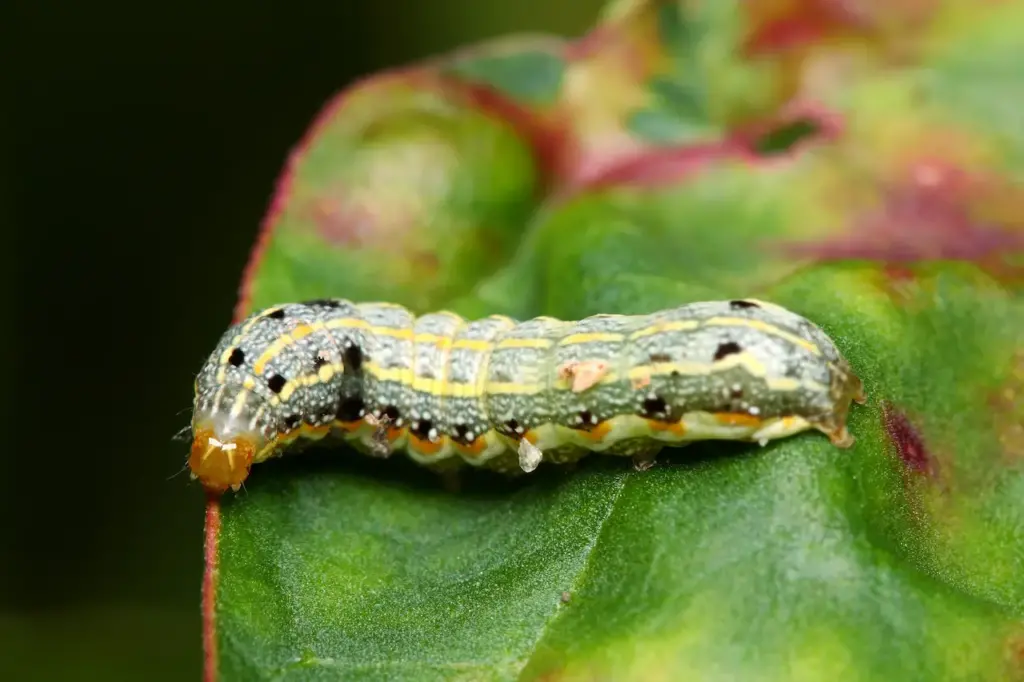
(679, 31)
(971, 70)
(701, 85)
(534, 77)
(684, 100)
(899, 559)
(663, 128)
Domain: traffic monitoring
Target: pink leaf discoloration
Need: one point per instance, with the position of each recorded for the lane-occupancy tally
(909, 443)
(653, 168)
(668, 165)
(932, 213)
(607, 80)
(790, 24)
(547, 136)
(348, 222)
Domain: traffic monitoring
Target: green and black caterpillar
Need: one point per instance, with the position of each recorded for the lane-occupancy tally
(508, 395)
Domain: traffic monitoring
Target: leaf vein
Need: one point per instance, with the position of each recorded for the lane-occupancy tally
(589, 552)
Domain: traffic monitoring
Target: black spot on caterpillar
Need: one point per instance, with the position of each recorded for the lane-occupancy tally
(726, 349)
(507, 395)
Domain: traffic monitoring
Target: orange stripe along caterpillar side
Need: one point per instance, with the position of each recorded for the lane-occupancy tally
(506, 395)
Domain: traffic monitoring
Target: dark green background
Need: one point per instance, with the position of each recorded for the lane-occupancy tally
(142, 144)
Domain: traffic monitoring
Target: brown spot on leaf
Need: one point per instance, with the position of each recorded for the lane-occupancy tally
(655, 167)
(899, 282)
(899, 273)
(1015, 653)
(1007, 409)
(908, 440)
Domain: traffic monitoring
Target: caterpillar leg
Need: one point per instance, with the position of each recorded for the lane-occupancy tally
(834, 425)
(643, 451)
(838, 434)
(644, 462)
(847, 389)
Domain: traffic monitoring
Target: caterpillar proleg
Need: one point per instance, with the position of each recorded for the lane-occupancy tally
(508, 395)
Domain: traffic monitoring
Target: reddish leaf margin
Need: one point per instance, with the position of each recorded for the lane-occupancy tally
(209, 597)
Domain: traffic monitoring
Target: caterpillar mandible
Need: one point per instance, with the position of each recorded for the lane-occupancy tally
(507, 395)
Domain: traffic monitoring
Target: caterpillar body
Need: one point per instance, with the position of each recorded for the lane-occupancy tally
(507, 395)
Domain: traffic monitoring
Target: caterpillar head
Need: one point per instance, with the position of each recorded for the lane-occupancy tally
(220, 464)
(223, 448)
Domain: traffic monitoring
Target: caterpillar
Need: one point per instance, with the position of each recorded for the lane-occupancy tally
(506, 395)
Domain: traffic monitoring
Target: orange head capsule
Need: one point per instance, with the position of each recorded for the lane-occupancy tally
(221, 463)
